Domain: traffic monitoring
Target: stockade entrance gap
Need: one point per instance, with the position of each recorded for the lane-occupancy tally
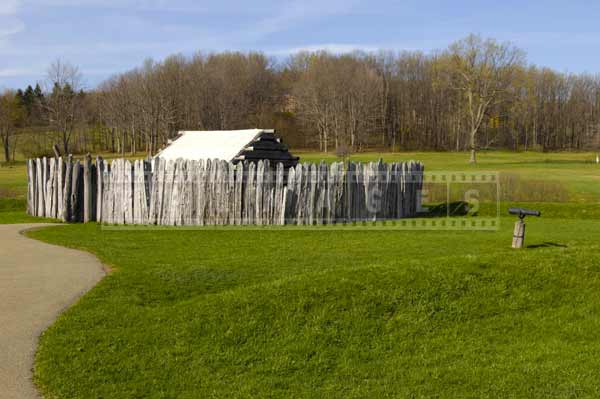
(216, 192)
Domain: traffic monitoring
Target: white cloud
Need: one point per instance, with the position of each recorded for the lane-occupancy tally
(335, 48)
(294, 12)
(10, 24)
(147, 34)
(9, 7)
(15, 72)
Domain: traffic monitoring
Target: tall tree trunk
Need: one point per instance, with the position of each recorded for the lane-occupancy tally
(65, 140)
(14, 150)
(112, 140)
(473, 158)
(123, 142)
(5, 144)
(133, 141)
(320, 140)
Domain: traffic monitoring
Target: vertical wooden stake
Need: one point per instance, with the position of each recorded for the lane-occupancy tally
(519, 234)
(99, 187)
(76, 197)
(66, 207)
(30, 187)
(87, 189)
(60, 187)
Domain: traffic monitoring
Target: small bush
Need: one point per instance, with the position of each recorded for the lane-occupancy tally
(36, 144)
(515, 188)
(342, 151)
(36, 151)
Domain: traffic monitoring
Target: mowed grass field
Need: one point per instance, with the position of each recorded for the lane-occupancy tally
(331, 313)
(346, 312)
(13, 194)
(525, 176)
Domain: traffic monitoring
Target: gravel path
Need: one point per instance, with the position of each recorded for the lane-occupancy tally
(37, 282)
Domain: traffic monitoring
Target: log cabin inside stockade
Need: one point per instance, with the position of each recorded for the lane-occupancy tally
(233, 146)
(243, 177)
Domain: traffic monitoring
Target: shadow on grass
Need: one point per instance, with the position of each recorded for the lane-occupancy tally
(547, 245)
(457, 208)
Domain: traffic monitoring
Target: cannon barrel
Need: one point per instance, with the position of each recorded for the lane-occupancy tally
(523, 212)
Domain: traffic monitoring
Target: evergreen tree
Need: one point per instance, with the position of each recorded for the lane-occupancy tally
(29, 99)
(39, 94)
(29, 95)
(20, 96)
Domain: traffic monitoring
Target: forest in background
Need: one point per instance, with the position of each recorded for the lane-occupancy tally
(476, 94)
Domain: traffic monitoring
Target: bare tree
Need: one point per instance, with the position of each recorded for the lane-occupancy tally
(483, 70)
(340, 96)
(477, 93)
(315, 94)
(62, 104)
(12, 115)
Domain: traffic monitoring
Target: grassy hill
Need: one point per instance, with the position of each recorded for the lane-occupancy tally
(331, 313)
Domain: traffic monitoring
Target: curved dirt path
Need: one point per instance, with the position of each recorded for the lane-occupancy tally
(37, 282)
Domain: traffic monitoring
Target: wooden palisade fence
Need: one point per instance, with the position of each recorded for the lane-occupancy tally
(213, 192)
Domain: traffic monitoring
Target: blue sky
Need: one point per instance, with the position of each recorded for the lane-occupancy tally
(104, 37)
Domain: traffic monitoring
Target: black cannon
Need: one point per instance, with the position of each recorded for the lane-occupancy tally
(523, 212)
(519, 232)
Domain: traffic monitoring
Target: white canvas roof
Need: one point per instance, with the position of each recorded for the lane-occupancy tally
(209, 144)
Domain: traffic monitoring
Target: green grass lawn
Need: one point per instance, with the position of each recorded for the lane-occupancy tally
(13, 180)
(341, 312)
(526, 176)
(331, 313)
(13, 194)
(11, 212)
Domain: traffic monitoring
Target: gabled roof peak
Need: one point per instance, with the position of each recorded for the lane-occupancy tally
(210, 144)
(228, 145)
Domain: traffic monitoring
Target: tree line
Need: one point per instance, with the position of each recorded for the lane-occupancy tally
(478, 93)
